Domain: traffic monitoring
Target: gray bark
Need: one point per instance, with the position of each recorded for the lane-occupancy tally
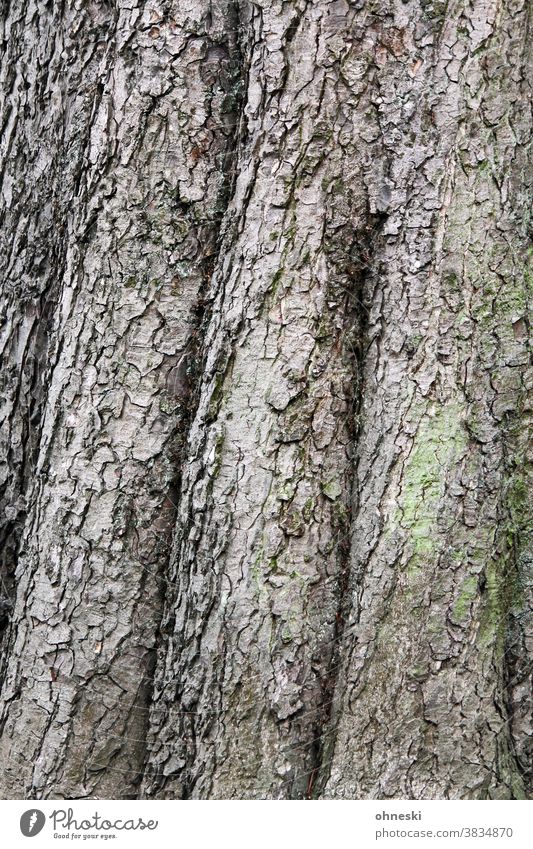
(266, 425)
(105, 333)
(422, 706)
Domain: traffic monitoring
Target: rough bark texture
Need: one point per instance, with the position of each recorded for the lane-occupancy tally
(422, 706)
(266, 399)
(263, 505)
(107, 332)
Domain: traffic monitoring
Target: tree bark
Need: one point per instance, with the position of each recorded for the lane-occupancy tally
(131, 195)
(266, 425)
(242, 692)
(424, 704)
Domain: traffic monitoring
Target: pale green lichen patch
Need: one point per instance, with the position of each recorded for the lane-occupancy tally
(257, 576)
(528, 274)
(463, 603)
(494, 612)
(504, 589)
(332, 489)
(439, 441)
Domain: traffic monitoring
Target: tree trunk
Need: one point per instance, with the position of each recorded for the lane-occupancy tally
(426, 698)
(266, 423)
(113, 224)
